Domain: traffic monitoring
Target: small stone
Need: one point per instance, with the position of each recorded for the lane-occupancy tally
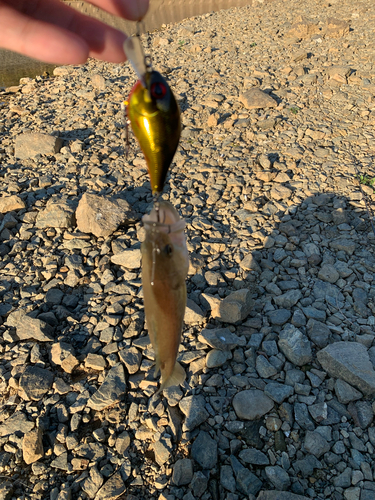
(264, 367)
(111, 390)
(28, 145)
(318, 332)
(279, 317)
(130, 258)
(250, 264)
(30, 328)
(251, 404)
(98, 81)
(204, 450)
(162, 452)
(278, 392)
(302, 27)
(193, 313)
(122, 443)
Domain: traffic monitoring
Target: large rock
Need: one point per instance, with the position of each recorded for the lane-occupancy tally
(111, 390)
(303, 28)
(30, 328)
(336, 28)
(59, 212)
(350, 362)
(193, 407)
(204, 450)
(112, 489)
(10, 203)
(102, 215)
(29, 145)
(35, 382)
(257, 99)
(16, 423)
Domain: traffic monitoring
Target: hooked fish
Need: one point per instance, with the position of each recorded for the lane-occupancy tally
(153, 114)
(165, 263)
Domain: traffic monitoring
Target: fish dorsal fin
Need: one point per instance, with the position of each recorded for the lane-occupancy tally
(134, 52)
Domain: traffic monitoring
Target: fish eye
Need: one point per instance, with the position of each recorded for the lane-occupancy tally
(158, 90)
(168, 249)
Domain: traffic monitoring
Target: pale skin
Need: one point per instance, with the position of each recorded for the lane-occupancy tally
(53, 32)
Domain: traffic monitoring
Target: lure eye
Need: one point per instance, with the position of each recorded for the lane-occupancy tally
(158, 90)
(168, 249)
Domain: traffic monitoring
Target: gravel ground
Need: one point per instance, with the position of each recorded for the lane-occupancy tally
(278, 107)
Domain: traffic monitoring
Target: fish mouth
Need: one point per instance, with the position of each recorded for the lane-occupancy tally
(163, 219)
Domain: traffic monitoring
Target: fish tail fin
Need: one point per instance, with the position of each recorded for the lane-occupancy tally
(177, 377)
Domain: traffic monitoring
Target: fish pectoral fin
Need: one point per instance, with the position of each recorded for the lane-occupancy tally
(177, 377)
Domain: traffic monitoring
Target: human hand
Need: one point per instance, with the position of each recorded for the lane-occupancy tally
(53, 32)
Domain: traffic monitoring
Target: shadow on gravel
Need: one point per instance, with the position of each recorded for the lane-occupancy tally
(313, 268)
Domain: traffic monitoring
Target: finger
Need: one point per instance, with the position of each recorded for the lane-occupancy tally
(69, 40)
(40, 40)
(134, 10)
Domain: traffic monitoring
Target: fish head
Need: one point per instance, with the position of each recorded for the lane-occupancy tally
(164, 247)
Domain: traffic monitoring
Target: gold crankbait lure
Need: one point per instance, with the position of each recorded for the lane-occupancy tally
(154, 115)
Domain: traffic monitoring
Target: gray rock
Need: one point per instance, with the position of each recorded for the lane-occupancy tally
(318, 332)
(251, 404)
(264, 367)
(344, 479)
(111, 391)
(328, 273)
(279, 495)
(61, 462)
(30, 328)
(307, 465)
(350, 362)
(122, 442)
(227, 478)
(278, 477)
(59, 212)
(345, 244)
(216, 358)
(278, 392)
(279, 317)
(204, 450)
(199, 483)
(18, 422)
(346, 393)
(129, 258)
(250, 264)
(316, 444)
(295, 346)
(193, 313)
(246, 482)
(253, 456)
(220, 338)
(193, 407)
(35, 382)
(289, 299)
(302, 416)
(182, 472)
(256, 99)
(28, 145)
(112, 489)
(11, 203)
(6, 490)
(236, 306)
(362, 413)
(131, 358)
(91, 451)
(32, 446)
(162, 451)
(101, 215)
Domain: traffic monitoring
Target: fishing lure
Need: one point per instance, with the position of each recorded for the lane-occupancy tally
(154, 115)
